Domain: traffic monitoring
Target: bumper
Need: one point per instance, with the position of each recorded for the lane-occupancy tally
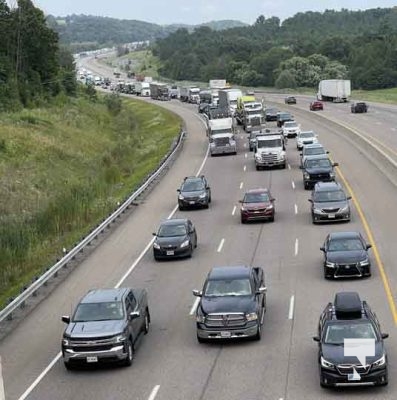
(328, 217)
(270, 163)
(347, 271)
(223, 150)
(257, 215)
(193, 203)
(220, 334)
(290, 134)
(332, 378)
(168, 254)
(115, 354)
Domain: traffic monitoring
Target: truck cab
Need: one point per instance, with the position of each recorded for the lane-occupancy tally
(221, 136)
(270, 151)
(253, 117)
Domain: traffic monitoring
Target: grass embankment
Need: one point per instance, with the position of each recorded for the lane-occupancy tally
(63, 168)
(380, 96)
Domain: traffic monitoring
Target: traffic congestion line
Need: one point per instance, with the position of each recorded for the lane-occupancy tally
(385, 280)
(234, 210)
(296, 209)
(154, 392)
(296, 246)
(241, 185)
(2, 394)
(293, 184)
(245, 168)
(119, 283)
(246, 155)
(220, 245)
(289, 166)
(291, 307)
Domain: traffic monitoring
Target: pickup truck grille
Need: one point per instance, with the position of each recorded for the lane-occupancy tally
(269, 158)
(320, 176)
(225, 320)
(255, 121)
(83, 349)
(221, 141)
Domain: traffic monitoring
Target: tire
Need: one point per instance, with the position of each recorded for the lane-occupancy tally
(284, 166)
(306, 186)
(130, 352)
(68, 365)
(243, 221)
(326, 276)
(147, 323)
(181, 208)
(272, 219)
(258, 335)
(257, 167)
(209, 200)
(191, 251)
(207, 205)
(201, 340)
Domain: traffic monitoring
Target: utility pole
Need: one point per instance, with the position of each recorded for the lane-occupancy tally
(2, 394)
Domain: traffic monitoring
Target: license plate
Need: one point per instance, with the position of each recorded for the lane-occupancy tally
(170, 252)
(92, 359)
(226, 334)
(191, 202)
(331, 215)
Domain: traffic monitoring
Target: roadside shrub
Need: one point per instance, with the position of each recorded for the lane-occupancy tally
(113, 103)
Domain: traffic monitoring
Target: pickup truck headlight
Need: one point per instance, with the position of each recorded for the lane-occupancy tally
(120, 338)
(380, 363)
(306, 175)
(258, 157)
(156, 245)
(200, 319)
(66, 341)
(326, 364)
(329, 264)
(251, 316)
(185, 243)
(364, 262)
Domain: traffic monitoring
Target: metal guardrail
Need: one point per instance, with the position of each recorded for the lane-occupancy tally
(6, 313)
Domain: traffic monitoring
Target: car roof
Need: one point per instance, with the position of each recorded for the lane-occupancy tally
(327, 187)
(175, 221)
(300, 133)
(104, 295)
(241, 271)
(344, 235)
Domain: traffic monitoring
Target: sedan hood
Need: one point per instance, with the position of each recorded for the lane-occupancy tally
(226, 304)
(335, 354)
(352, 256)
(95, 329)
(171, 240)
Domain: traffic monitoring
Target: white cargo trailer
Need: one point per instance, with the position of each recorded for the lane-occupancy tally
(228, 99)
(336, 90)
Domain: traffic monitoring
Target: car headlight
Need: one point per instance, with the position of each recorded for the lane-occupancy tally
(200, 319)
(66, 342)
(212, 144)
(344, 209)
(380, 362)
(120, 338)
(203, 195)
(180, 197)
(364, 262)
(243, 208)
(329, 264)
(185, 243)
(270, 206)
(326, 364)
(251, 316)
(332, 175)
(156, 245)
(306, 175)
(258, 157)
(317, 210)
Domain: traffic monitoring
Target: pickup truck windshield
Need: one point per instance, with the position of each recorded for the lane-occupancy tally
(86, 312)
(233, 287)
(323, 163)
(269, 143)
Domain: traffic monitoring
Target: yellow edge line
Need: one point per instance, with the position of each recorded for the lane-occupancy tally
(386, 284)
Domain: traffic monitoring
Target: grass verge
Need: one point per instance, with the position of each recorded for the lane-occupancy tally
(63, 168)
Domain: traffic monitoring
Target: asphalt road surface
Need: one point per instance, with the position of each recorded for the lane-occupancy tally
(170, 363)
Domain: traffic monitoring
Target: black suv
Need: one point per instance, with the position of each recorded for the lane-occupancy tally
(283, 117)
(194, 192)
(290, 100)
(176, 237)
(232, 304)
(329, 203)
(343, 325)
(346, 255)
(317, 169)
(360, 107)
(271, 114)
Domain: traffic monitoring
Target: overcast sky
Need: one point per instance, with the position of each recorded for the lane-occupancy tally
(198, 11)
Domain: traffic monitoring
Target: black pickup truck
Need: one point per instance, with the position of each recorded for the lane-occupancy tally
(317, 169)
(232, 304)
(105, 327)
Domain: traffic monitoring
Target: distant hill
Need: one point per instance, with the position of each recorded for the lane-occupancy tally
(104, 30)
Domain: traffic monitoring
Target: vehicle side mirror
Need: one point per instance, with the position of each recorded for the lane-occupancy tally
(301, 154)
(154, 234)
(335, 164)
(65, 319)
(178, 190)
(135, 315)
(385, 335)
(310, 200)
(273, 199)
(316, 338)
(262, 290)
(322, 248)
(327, 152)
(368, 246)
(240, 201)
(197, 293)
(300, 166)
(348, 198)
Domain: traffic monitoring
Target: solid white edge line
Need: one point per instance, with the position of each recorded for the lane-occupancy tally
(40, 377)
(59, 355)
(154, 392)
(194, 306)
(241, 185)
(296, 246)
(296, 209)
(2, 393)
(291, 307)
(220, 246)
(234, 210)
(293, 185)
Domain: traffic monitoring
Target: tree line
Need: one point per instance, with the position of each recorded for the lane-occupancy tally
(33, 66)
(360, 45)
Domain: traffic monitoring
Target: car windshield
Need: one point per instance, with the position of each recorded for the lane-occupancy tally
(290, 124)
(322, 163)
(306, 134)
(269, 143)
(172, 230)
(345, 244)
(333, 195)
(233, 287)
(284, 116)
(336, 333)
(192, 186)
(312, 151)
(98, 311)
(256, 198)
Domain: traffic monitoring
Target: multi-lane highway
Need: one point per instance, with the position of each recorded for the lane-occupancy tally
(170, 363)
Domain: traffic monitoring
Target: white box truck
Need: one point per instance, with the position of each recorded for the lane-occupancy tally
(228, 99)
(142, 89)
(336, 90)
(217, 83)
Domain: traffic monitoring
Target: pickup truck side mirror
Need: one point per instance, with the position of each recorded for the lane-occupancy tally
(335, 164)
(316, 338)
(322, 248)
(65, 319)
(134, 315)
(240, 201)
(327, 152)
(197, 293)
(178, 190)
(368, 246)
(261, 290)
(300, 166)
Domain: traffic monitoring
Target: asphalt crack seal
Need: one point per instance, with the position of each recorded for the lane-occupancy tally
(207, 381)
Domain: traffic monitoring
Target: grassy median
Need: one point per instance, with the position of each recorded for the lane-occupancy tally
(63, 168)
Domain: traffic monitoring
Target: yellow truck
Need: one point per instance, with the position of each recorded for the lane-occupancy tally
(242, 102)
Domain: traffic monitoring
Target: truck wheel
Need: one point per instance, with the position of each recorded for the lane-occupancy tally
(258, 335)
(257, 167)
(68, 365)
(201, 340)
(130, 354)
(271, 218)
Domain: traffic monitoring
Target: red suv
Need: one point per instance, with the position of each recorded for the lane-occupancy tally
(316, 105)
(257, 204)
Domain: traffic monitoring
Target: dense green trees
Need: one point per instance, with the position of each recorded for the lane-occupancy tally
(32, 66)
(360, 45)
